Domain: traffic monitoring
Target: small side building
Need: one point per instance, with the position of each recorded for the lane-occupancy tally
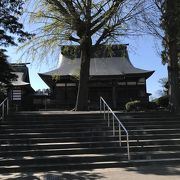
(20, 92)
(112, 76)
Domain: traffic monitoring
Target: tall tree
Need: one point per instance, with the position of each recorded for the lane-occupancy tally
(88, 23)
(163, 21)
(11, 32)
(5, 74)
(171, 27)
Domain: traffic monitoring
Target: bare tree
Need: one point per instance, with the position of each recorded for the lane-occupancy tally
(88, 23)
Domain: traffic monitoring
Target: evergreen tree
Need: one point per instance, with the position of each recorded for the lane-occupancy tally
(5, 74)
(11, 32)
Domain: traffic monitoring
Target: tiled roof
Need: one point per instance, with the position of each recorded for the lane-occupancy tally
(105, 61)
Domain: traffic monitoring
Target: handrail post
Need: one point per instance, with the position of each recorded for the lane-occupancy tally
(104, 112)
(108, 119)
(129, 158)
(100, 102)
(119, 135)
(113, 127)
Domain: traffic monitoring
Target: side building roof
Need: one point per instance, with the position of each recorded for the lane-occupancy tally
(22, 72)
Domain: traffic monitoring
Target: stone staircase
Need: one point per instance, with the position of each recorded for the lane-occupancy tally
(54, 141)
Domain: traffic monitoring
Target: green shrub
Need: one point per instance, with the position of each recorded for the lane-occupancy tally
(133, 105)
(138, 105)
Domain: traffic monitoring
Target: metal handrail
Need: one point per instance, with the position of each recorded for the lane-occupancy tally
(5, 108)
(109, 110)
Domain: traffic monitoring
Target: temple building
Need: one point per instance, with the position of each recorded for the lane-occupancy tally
(112, 76)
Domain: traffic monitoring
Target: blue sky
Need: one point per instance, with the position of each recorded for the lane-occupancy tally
(142, 53)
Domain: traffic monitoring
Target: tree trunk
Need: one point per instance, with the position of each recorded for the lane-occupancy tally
(172, 33)
(82, 96)
(173, 83)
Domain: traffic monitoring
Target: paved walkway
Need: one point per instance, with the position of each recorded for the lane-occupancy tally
(159, 172)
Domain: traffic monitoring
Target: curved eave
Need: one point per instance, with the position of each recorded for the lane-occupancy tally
(19, 83)
(145, 74)
(51, 82)
(47, 79)
(49, 75)
(26, 86)
(115, 66)
(30, 89)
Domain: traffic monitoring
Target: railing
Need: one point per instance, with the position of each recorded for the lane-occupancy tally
(4, 106)
(105, 108)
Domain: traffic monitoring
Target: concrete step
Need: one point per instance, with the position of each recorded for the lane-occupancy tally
(83, 118)
(146, 123)
(57, 124)
(84, 157)
(95, 150)
(89, 125)
(59, 128)
(147, 114)
(46, 116)
(91, 140)
(43, 152)
(145, 118)
(85, 166)
(155, 131)
(53, 121)
(52, 133)
(79, 159)
(79, 136)
(88, 117)
(91, 121)
(151, 148)
(49, 144)
(152, 155)
(61, 166)
(82, 148)
(150, 127)
(96, 131)
(56, 145)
